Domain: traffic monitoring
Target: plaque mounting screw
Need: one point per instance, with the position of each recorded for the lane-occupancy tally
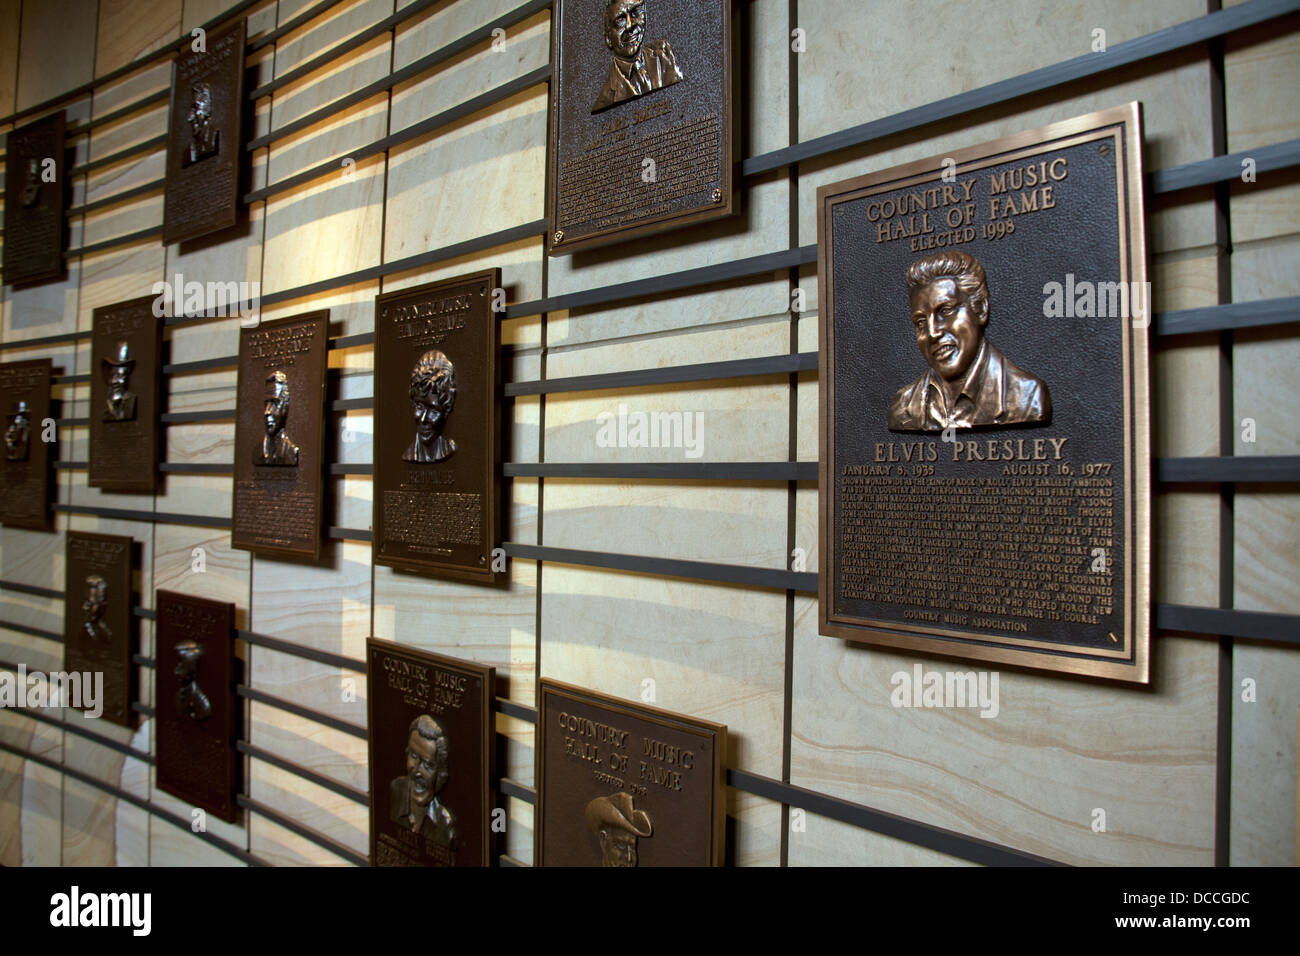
(559, 236)
(717, 195)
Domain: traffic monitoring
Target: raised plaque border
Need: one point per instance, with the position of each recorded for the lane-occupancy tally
(38, 451)
(491, 436)
(232, 209)
(178, 786)
(1037, 655)
(546, 687)
(667, 221)
(483, 672)
(316, 404)
(122, 597)
(146, 412)
(54, 266)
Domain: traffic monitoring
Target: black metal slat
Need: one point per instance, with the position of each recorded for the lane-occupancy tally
(298, 710)
(306, 773)
(888, 824)
(298, 650)
(179, 822)
(302, 830)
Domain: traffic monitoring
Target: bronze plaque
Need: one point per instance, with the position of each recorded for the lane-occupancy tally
(204, 153)
(436, 412)
(989, 497)
(35, 198)
(642, 125)
(98, 627)
(431, 757)
(623, 784)
(25, 404)
(280, 437)
(197, 714)
(124, 396)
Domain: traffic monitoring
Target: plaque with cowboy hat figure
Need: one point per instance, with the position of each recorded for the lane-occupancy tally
(126, 342)
(623, 784)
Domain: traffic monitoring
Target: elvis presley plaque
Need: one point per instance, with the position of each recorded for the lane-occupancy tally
(25, 404)
(436, 412)
(642, 118)
(99, 634)
(197, 713)
(204, 151)
(124, 396)
(35, 197)
(623, 784)
(431, 757)
(989, 497)
(280, 437)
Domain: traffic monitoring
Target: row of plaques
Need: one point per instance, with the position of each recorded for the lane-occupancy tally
(984, 410)
(618, 783)
(642, 135)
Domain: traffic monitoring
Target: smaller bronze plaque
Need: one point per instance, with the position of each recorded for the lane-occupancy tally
(124, 396)
(436, 413)
(204, 154)
(198, 716)
(98, 627)
(431, 757)
(280, 437)
(623, 784)
(35, 198)
(25, 404)
(642, 133)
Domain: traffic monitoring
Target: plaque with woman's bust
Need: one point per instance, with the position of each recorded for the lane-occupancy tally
(99, 633)
(623, 784)
(197, 714)
(643, 123)
(436, 439)
(124, 396)
(29, 435)
(280, 437)
(35, 198)
(431, 757)
(204, 152)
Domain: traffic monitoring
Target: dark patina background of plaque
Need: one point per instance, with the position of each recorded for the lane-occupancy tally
(700, 34)
(35, 234)
(1095, 370)
(203, 197)
(687, 824)
(197, 761)
(110, 557)
(392, 704)
(25, 491)
(276, 509)
(472, 424)
(124, 454)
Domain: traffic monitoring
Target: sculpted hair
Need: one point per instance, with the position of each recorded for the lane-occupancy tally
(962, 268)
(432, 374)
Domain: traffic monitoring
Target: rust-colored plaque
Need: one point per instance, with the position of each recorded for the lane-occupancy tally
(25, 404)
(197, 715)
(99, 634)
(35, 197)
(436, 412)
(642, 118)
(431, 757)
(985, 459)
(204, 152)
(623, 784)
(280, 437)
(124, 396)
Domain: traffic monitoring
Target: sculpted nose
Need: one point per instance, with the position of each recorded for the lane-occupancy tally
(933, 325)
